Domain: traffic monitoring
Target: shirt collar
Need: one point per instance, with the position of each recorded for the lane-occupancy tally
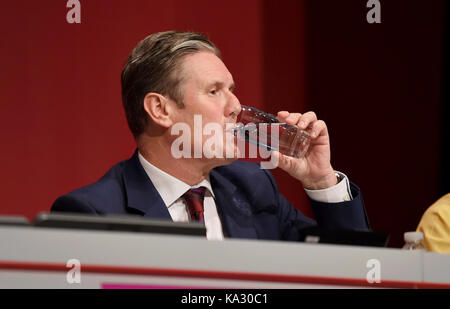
(169, 188)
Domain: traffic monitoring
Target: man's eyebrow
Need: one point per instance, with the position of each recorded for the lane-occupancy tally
(215, 84)
(222, 84)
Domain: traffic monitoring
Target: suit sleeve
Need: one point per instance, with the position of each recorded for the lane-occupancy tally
(350, 215)
(343, 215)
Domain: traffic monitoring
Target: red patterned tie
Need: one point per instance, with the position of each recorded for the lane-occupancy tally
(194, 200)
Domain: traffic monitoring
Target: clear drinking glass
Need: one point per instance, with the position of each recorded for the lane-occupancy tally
(256, 126)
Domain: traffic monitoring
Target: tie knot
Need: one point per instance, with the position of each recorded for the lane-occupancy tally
(197, 193)
(194, 199)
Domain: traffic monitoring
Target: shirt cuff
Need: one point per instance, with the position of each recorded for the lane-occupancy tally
(336, 194)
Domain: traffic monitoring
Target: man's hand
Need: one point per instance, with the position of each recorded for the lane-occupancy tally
(314, 169)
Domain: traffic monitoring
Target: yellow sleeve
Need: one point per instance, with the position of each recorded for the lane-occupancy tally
(435, 226)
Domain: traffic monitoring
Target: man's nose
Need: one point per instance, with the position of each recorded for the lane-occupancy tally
(233, 106)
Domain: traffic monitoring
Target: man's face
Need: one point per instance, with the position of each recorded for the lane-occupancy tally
(207, 88)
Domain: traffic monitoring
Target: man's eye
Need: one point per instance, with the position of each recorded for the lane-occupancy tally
(213, 92)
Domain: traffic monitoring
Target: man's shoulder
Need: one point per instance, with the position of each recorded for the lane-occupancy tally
(439, 212)
(110, 180)
(105, 192)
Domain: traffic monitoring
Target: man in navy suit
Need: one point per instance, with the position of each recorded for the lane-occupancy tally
(171, 78)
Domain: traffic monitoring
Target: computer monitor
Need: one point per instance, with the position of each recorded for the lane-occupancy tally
(13, 220)
(127, 223)
(316, 234)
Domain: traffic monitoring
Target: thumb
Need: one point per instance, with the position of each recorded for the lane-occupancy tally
(283, 161)
(288, 164)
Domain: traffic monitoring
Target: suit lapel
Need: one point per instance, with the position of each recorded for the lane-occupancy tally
(233, 207)
(141, 194)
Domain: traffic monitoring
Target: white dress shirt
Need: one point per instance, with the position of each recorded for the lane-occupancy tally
(336, 194)
(172, 189)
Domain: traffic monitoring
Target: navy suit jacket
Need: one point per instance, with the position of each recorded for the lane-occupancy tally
(247, 198)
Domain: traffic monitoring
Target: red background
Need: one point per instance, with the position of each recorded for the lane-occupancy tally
(378, 87)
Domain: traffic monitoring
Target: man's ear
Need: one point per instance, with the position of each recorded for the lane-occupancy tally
(159, 109)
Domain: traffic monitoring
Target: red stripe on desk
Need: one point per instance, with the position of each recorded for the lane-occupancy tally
(141, 271)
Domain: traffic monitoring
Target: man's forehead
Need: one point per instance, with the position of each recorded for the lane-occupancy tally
(206, 67)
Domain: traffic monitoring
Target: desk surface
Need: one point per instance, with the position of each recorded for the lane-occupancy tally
(37, 257)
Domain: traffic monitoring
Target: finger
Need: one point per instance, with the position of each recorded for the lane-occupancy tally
(293, 118)
(318, 128)
(282, 115)
(306, 119)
